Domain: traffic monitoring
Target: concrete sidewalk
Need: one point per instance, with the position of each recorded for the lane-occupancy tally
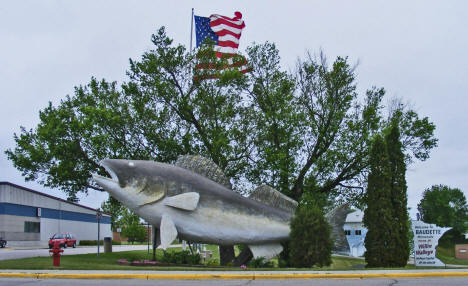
(115, 247)
(246, 274)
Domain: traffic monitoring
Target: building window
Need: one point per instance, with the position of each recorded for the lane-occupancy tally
(357, 232)
(31, 226)
(347, 232)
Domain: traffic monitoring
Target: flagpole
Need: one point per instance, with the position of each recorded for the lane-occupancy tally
(191, 31)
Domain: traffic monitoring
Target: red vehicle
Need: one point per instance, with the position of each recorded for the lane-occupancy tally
(65, 239)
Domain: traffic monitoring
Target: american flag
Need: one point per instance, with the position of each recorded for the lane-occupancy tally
(225, 32)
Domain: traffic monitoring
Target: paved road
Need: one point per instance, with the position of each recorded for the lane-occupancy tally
(15, 253)
(448, 281)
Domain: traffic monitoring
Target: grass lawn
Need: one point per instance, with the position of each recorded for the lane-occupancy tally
(105, 261)
(447, 255)
(108, 261)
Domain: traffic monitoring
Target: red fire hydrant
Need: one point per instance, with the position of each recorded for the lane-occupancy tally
(56, 251)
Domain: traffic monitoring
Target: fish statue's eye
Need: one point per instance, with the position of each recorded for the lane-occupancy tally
(131, 164)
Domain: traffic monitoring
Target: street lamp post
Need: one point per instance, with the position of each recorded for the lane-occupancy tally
(98, 217)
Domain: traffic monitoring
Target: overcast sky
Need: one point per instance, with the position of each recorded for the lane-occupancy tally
(416, 50)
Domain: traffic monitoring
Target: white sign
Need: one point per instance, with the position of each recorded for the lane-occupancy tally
(426, 239)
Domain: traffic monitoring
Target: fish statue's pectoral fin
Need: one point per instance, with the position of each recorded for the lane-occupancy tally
(268, 251)
(185, 201)
(168, 231)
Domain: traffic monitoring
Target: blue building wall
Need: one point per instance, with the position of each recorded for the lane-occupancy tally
(355, 233)
(356, 238)
(29, 211)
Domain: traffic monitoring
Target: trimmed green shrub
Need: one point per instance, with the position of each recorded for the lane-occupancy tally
(181, 257)
(212, 262)
(310, 243)
(260, 262)
(94, 242)
(90, 242)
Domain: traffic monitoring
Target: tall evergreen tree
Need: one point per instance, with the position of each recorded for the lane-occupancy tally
(399, 196)
(378, 216)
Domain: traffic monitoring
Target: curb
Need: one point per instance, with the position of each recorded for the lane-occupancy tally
(232, 276)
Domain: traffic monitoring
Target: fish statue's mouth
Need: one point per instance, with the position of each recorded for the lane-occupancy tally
(127, 186)
(111, 184)
(109, 170)
(107, 183)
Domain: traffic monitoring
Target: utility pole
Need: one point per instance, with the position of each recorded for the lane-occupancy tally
(98, 217)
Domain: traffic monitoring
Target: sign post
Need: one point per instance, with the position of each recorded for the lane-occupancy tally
(98, 217)
(426, 238)
(148, 236)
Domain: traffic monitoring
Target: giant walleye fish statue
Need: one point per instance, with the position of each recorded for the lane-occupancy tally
(194, 201)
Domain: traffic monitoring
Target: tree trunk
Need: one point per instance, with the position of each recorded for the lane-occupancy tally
(243, 258)
(226, 254)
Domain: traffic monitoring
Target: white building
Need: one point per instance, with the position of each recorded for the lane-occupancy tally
(28, 217)
(355, 233)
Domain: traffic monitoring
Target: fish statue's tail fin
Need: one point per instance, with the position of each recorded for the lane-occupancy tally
(267, 251)
(336, 219)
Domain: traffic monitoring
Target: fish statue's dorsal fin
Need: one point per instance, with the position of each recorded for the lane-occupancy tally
(205, 167)
(267, 195)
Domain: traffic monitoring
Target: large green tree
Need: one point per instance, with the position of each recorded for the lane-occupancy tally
(300, 131)
(115, 209)
(446, 207)
(131, 226)
(159, 114)
(312, 133)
